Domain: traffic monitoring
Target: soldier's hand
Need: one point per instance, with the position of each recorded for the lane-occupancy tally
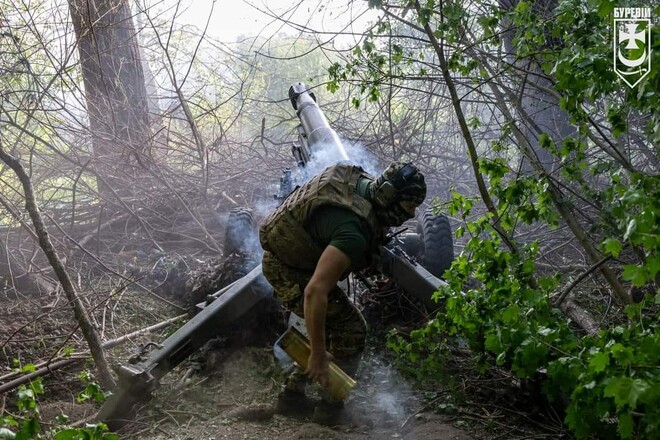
(317, 367)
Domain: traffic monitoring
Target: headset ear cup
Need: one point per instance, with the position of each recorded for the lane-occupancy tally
(385, 194)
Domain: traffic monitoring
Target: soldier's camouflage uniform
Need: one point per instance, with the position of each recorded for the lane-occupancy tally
(345, 328)
(291, 255)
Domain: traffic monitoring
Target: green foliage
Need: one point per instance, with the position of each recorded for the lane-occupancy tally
(620, 380)
(25, 425)
(633, 203)
(26, 403)
(89, 432)
(92, 389)
(508, 318)
(611, 377)
(580, 62)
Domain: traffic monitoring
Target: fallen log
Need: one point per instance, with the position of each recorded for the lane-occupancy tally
(579, 316)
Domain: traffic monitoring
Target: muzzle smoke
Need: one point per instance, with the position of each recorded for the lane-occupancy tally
(325, 155)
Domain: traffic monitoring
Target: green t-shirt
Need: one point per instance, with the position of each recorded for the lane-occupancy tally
(343, 229)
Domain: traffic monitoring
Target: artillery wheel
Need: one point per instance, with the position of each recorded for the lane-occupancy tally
(242, 235)
(436, 251)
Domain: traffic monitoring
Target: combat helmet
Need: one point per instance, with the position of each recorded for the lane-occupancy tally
(397, 193)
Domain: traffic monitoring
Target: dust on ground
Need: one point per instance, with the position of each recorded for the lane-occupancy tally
(236, 401)
(232, 396)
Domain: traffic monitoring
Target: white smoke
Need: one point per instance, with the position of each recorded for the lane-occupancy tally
(325, 155)
(265, 206)
(388, 402)
(363, 157)
(385, 396)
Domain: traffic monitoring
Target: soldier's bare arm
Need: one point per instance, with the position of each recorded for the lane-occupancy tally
(332, 264)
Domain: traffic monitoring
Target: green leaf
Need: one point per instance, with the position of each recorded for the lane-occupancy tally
(424, 16)
(625, 425)
(634, 274)
(545, 331)
(7, 434)
(29, 368)
(632, 226)
(605, 8)
(599, 362)
(374, 94)
(492, 342)
(474, 122)
(68, 434)
(29, 430)
(622, 354)
(511, 314)
(615, 115)
(37, 385)
(612, 246)
(522, 8)
(626, 391)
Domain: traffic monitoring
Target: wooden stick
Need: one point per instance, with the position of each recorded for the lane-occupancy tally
(48, 367)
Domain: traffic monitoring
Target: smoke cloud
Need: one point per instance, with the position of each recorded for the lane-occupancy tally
(385, 396)
(325, 155)
(245, 233)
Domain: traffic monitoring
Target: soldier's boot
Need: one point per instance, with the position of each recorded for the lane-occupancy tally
(294, 404)
(330, 413)
(292, 401)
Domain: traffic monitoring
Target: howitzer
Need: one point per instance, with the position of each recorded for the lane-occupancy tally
(431, 244)
(314, 128)
(140, 377)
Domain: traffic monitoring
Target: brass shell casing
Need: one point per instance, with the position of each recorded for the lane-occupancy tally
(296, 345)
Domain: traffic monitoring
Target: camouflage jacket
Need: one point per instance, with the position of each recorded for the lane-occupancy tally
(283, 231)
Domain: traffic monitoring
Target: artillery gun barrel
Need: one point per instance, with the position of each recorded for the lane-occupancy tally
(320, 135)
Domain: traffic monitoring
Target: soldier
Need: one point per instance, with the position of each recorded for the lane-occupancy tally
(328, 227)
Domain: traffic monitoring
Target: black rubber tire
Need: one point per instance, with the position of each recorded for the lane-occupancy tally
(242, 234)
(436, 251)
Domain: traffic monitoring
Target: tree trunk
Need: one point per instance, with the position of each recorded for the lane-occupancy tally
(114, 86)
(543, 108)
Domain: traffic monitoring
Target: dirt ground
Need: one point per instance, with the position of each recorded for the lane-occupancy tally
(232, 396)
(232, 392)
(236, 401)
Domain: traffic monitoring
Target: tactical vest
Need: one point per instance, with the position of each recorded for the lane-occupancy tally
(283, 232)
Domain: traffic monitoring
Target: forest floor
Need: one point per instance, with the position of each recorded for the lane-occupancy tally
(230, 391)
(232, 397)
(236, 401)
